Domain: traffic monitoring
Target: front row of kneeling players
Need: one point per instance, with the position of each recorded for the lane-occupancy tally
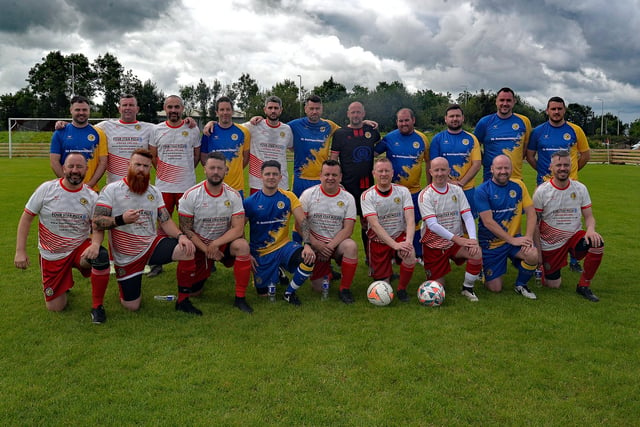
(212, 218)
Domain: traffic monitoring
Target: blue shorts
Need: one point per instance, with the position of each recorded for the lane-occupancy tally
(494, 261)
(269, 264)
(470, 195)
(301, 184)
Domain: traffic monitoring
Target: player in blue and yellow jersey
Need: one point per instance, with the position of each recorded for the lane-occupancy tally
(462, 151)
(503, 132)
(268, 212)
(553, 135)
(311, 143)
(83, 138)
(501, 201)
(230, 139)
(408, 150)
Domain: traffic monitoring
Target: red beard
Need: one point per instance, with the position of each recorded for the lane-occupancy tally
(137, 182)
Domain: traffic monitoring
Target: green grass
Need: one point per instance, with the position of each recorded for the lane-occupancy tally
(505, 360)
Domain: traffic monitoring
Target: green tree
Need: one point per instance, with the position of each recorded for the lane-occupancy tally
(634, 131)
(330, 91)
(189, 98)
(150, 101)
(582, 115)
(247, 91)
(287, 91)
(23, 104)
(203, 98)
(56, 78)
(108, 81)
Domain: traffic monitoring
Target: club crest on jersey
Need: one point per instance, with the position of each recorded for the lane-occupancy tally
(227, 203)
(281, 134)
(367, 135)
(322, 129)
(515, 126)
(83, 201)
(234, 137)
(465, 141)
(91, 138)
(566, 137)
(396, 200)
(280, 205)
(48, 292)
(150, 197)
(137, 127)
(416, 144)
(573, 196)
(512, 194)
(454, 198)
(340, 204)
(185, 133)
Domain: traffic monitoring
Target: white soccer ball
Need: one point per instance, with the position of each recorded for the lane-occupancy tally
(431, 293)
(380, 293)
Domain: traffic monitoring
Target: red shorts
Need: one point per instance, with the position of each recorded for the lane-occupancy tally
(57, 277)
(137, 266)
(555, 259)
(436, 261)
(380, 256)
(171, 201)
(323, 268)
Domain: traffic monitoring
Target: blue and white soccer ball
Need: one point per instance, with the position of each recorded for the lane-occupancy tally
(431, 293)
(380, 293)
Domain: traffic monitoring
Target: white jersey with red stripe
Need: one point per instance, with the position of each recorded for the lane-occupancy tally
(122, 140)
(327, 213)
(64, 217)
(176, 171)
(561, 210)
(389, 209)
(268, 143)
(211, 213)
(447, 207)
(131, 241)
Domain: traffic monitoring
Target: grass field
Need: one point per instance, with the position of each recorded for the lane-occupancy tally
(505, 360)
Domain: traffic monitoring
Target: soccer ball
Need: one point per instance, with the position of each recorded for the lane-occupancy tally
(380, 293)
(431, 293)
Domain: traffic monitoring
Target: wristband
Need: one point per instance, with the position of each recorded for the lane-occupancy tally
(120, 220)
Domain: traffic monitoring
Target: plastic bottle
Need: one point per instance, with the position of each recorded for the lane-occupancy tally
(538, 276)
(325, 287)
(271, 291)
(165, 297)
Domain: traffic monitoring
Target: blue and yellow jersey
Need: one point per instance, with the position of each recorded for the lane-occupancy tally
(506, 203)
(88, 140)
(460, 149)
(268, 218)
(546, 140)
(407, 154)
(311, 144)
(503, 136)
(233, 142)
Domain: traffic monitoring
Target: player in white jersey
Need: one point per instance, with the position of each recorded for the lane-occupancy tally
(65, 206)
(176, 153)
(560, 205)
(444, 210)
(270, 140)
(331, 212)
(212, 216)
(388, 209)
(131, 209)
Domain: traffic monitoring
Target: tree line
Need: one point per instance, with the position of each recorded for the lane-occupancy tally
(52, 82)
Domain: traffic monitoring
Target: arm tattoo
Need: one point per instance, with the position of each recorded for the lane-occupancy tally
(102, 218)
(163, 215)
(304, 230)
(186, 226)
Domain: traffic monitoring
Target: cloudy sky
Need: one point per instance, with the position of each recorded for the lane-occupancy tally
(580, 50)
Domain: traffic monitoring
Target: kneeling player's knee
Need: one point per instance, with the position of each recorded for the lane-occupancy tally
(555, 275)
(101, 262)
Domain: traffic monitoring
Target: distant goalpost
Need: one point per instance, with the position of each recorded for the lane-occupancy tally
(24, 140)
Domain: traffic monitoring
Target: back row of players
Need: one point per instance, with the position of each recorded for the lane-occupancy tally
(390, 201)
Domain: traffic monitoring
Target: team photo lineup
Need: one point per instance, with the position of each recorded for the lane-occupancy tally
(300, 229)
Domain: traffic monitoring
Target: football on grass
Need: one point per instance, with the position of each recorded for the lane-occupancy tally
(431, 293)
(380, 293)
